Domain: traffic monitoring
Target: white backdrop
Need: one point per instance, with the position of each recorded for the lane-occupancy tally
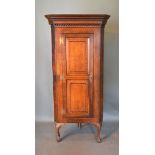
(43, 71)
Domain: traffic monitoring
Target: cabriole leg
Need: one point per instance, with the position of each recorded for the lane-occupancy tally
(57, 127)
(98, 132)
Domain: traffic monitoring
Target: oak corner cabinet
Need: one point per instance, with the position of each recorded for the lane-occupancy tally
(77, 63)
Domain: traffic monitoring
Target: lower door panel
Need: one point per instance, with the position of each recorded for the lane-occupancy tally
(78, 101)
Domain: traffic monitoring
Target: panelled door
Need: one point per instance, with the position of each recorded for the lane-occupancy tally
(77, 75)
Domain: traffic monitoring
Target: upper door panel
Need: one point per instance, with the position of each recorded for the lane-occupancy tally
(79, 54)
(77, 51)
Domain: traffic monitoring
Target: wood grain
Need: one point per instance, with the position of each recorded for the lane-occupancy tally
(77, 63)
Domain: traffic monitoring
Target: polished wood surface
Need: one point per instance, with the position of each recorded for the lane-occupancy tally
(77, 62)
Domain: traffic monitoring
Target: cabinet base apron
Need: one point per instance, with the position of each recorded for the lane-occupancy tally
(97, 125)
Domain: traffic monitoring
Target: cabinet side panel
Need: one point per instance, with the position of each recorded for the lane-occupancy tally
(58, 72)
(102, 75)
(97, 74)
(54, 70)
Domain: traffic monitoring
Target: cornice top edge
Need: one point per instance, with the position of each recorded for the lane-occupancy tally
(76, 16)
(52, 18)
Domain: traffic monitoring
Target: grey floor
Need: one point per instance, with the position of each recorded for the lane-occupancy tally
(77, 141)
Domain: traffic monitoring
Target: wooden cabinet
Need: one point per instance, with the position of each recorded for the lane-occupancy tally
(77, 62)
